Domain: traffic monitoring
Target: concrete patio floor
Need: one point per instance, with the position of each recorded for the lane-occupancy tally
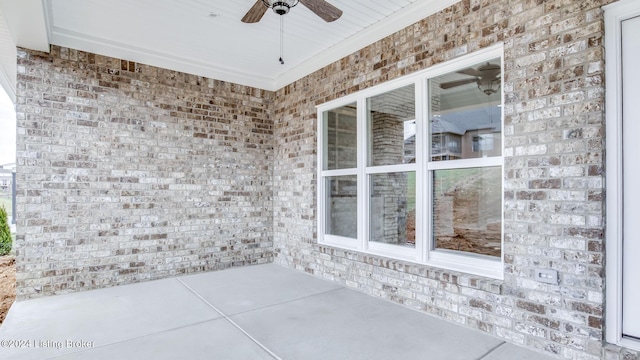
(255, 312)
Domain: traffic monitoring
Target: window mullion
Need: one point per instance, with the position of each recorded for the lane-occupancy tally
(338, 172)
(363, 181)
(465, 163)
(321, 194)
(389, 169)
(423, 190)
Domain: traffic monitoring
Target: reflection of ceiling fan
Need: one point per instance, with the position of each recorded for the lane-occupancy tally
(486, 76)
(321, 8)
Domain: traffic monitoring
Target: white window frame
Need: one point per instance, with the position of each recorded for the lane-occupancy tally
(422, 253)
(614, 15)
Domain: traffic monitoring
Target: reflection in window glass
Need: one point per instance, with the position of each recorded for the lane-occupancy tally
(342, 209)
(393, 208)
(340, 138)
(392, 127)
(482, 143)
(467, 210)
(465, 113)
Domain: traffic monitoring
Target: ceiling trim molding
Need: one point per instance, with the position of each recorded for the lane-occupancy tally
(71, 39)
(48, 17)
(31, 34)
(403, 18)
(8, 54)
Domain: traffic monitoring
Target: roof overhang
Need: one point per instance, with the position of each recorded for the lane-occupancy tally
(16, 30)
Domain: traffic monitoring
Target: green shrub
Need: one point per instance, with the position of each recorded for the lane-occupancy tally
(5, 232)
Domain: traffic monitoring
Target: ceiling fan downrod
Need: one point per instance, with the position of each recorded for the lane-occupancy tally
(281, 40)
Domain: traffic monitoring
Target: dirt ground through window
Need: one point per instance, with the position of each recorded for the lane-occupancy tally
(471, 218)
(7, 284)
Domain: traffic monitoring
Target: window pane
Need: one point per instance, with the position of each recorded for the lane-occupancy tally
(342, 206)
(465, 116)
(467, 210)
(392, 127)
(393, 208)
(340, 138)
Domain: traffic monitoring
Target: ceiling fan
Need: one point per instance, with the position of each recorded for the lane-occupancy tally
(321, 8)
(486, 76)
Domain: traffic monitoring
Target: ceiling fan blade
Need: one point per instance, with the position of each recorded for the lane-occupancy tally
(255, 13)
(469, 71)
(323, 9)
(451, 84)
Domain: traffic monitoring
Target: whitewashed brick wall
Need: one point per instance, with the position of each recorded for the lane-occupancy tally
(554, 181)
(128, 172)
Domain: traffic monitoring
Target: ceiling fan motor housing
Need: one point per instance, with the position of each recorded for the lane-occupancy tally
(280, 7)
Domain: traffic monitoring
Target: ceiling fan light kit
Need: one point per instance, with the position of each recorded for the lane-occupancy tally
(489, 86)
(487, 78)
(323, 9)
(280, 7)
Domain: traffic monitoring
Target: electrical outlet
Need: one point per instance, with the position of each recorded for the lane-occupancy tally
(547, 276)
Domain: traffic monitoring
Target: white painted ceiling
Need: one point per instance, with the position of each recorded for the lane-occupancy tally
(207, 38)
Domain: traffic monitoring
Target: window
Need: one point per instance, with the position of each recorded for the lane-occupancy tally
(340, 160)
(413, 169)
(391, 169)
